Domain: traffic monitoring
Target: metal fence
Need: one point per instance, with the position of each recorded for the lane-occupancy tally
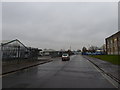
(16, 51)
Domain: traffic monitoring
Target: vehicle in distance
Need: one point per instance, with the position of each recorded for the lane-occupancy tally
(65, 57)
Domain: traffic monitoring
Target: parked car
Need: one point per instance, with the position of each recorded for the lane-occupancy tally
(65, 57)
(88, 53)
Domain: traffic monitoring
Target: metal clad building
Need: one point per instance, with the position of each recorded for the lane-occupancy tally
(14, 49)
(113, 44)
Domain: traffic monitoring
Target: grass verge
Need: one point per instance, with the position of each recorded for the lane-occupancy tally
(114, 59)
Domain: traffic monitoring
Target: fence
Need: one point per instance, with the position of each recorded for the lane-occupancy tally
(15, 51)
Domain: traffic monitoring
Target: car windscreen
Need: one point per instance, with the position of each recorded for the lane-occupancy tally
(65, 54)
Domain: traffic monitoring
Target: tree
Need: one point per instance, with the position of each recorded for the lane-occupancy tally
(93, 49)
(69, 52)
(78, 50)
(84, 49)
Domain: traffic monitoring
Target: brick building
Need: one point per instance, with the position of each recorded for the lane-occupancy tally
(113, 44)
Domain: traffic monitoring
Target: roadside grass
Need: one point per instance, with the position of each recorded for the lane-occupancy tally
(114, 59)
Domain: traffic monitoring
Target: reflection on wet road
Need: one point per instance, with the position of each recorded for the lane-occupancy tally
(76, 73)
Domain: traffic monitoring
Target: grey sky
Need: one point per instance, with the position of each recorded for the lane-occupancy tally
(59, 25)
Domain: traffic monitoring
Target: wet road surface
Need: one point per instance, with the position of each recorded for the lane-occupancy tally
(76, 73)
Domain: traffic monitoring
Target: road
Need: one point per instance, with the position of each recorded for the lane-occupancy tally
(76, 73)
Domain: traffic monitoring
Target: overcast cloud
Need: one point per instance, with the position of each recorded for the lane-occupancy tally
(59, 25)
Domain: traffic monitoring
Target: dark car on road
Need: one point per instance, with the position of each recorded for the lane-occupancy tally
(65, 57)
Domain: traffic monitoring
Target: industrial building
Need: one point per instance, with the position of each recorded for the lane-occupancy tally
(15, 50)
(113, 44)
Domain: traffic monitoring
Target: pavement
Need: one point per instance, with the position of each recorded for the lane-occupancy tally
(16, 66)
(110, 69)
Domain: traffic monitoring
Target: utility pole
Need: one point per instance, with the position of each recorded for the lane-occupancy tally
(70, 47)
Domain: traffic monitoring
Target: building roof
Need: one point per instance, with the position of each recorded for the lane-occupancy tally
(5, 42)
(113, 34)
(49, 50)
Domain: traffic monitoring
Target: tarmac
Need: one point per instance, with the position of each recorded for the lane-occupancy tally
(16, 66)
(106, 67)
(110, 69)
